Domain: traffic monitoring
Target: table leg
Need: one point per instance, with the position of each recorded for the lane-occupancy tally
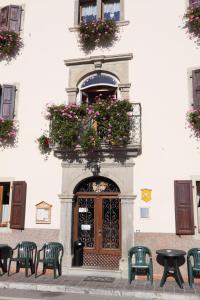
(165, 272)
(177, 274)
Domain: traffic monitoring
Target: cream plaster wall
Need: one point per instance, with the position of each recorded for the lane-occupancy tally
(162, 55)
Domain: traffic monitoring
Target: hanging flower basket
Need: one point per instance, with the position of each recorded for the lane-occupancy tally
(82, 127)
(192, 21)
(193, 118)
(8, 132)
(44, 144)
(10, 44)
(97, 34)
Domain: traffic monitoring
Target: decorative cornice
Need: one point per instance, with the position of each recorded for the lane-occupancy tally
(100, 58)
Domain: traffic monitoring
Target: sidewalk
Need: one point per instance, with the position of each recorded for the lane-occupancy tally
(100, 286)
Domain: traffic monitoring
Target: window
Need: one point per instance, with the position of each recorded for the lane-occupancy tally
(196, 88)
(96, 85)
(10, 18)
(88, 11)
(111, 10)
(91, 10)
(7, 101)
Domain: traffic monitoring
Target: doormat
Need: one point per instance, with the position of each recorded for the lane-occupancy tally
(99, 279)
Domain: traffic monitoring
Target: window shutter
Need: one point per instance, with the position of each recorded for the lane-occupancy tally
(18, 205)
(15, 18)
(194, 2)
(196, 88)
(10, 18)
(184, 207)
(4, 17)
(8, 101)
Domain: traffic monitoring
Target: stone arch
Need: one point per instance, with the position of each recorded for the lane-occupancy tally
(87, 184)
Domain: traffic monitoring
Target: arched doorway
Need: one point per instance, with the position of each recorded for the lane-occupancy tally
(97, 222)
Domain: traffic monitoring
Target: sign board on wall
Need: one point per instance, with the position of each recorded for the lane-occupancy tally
(43, 213)
(146, 194)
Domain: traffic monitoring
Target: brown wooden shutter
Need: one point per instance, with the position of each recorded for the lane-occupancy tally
(18, 205)
(184, 207)
(10, 18)
(194, 2)
(4, 17)
(15, 18)
(8, 101)
(196, 88)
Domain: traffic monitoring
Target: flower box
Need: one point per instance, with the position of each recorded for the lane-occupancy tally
(10, 44)
(192, 21)
(97, 34)
(82, 127)
(8, 132)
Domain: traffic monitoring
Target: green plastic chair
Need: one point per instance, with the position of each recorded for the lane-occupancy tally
(140, 260)
(24, 254)
(193, 265)
(51, 256)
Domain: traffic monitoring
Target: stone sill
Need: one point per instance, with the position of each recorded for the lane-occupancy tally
(119, 24)
(122, 152)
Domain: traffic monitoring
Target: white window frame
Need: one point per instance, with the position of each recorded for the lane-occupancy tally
(122, 21)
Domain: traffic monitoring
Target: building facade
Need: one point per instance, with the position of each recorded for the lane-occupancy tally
(143, 193)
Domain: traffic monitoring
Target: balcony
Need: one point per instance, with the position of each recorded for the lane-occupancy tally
(120, 151)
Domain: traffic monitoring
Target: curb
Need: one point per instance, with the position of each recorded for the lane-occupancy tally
(95, 291)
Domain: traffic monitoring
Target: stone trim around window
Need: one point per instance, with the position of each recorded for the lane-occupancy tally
(116, 65)
(75, 28)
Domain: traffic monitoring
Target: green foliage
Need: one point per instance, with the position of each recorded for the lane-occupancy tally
(192, 21)
(8, 131)
(193, 118)
(97, 34)
(88, 127)
(10, 44)
(43, 142)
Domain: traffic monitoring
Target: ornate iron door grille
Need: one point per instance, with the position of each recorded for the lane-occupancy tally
(97, 224)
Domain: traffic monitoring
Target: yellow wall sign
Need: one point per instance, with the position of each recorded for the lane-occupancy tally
(146, 194)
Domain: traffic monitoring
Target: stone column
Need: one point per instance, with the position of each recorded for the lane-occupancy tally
(124, 89)
(66, 228)
(127, 235)
(72, 93)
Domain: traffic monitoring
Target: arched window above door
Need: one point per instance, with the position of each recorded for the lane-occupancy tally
(99, 84)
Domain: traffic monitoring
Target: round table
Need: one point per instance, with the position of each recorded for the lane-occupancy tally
(171, 266)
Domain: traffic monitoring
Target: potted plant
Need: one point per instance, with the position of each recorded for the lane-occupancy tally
(8, 132)
(10, 44)
(82, 127)
(97, 34)
(193, 118)
(192, 21)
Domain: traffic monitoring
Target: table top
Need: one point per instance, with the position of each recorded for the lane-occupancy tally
(3, 245)
(171, 252)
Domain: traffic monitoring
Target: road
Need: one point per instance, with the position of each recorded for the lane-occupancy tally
(12, 294)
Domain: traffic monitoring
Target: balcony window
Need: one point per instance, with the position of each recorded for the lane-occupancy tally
(98, 84)
(88, 11)
(111, 10)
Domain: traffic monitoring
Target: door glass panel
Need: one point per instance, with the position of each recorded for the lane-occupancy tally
(110, 223)
(86, 221)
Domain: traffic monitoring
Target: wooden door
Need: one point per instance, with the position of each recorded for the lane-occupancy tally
(97, 222)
